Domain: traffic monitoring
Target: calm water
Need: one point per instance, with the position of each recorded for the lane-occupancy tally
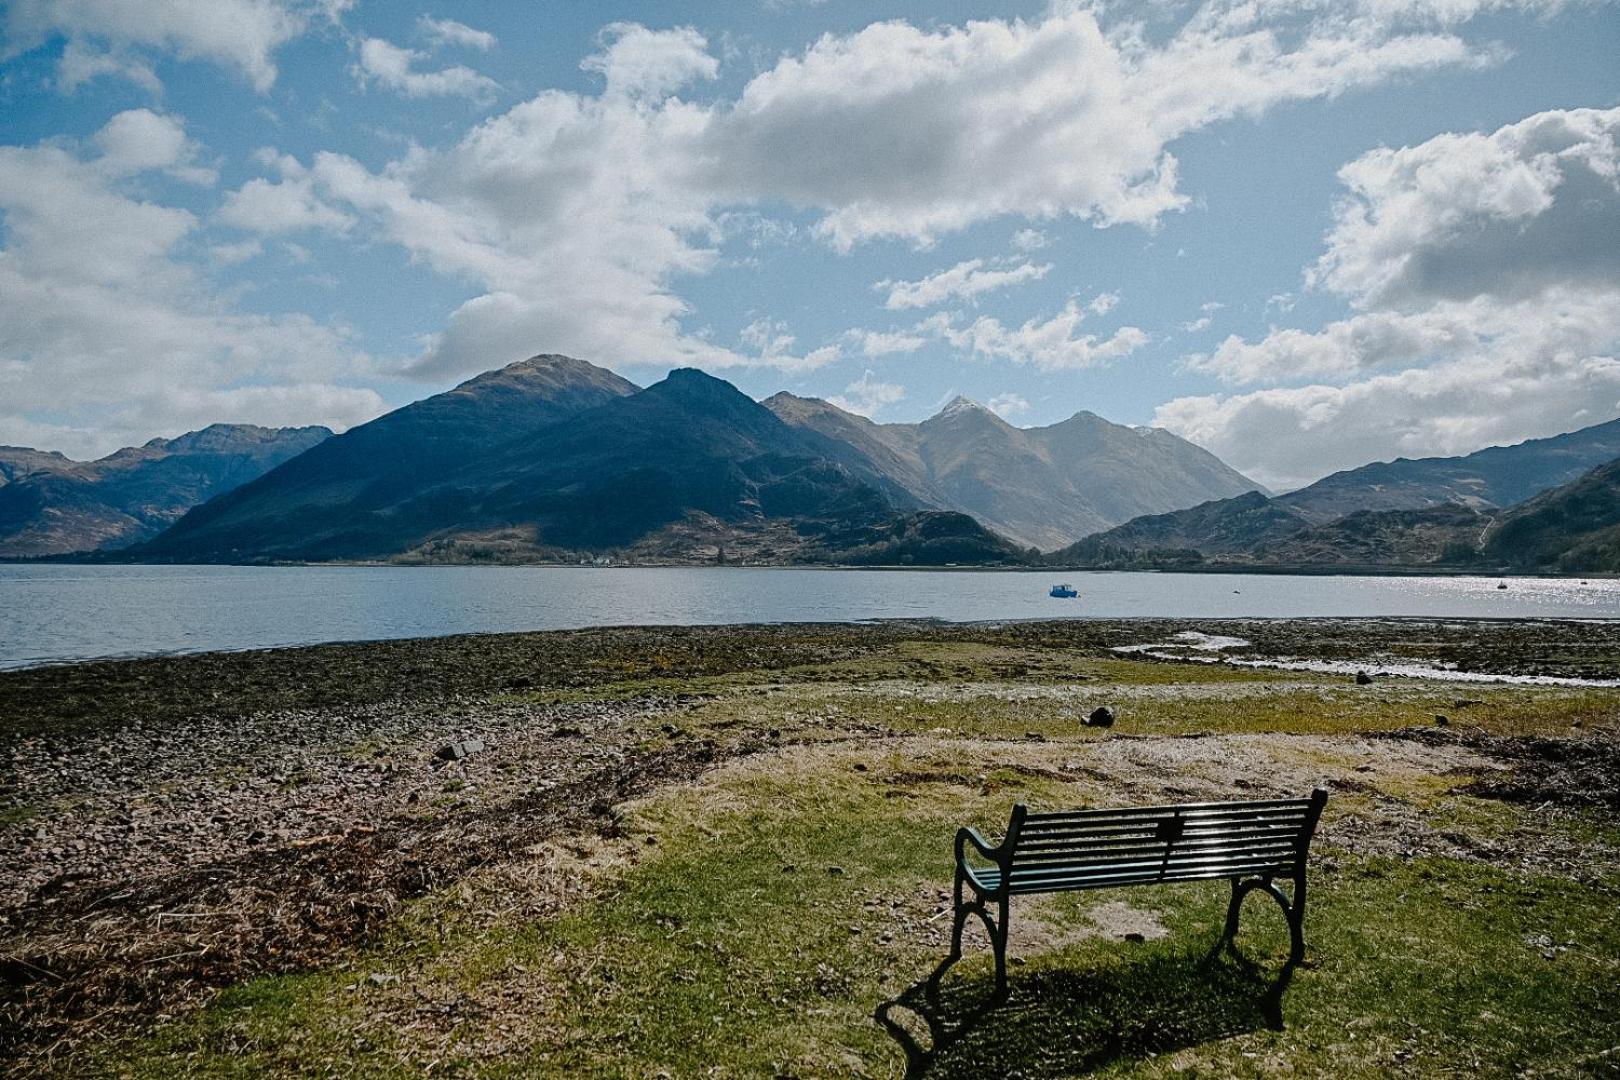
(55, 613)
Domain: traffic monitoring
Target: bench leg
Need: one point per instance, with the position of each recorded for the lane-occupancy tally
(995, 926)
(1293, 911)
(998, 938)
(1296, 921)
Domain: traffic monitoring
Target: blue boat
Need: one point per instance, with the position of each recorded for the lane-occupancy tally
(1063, 592)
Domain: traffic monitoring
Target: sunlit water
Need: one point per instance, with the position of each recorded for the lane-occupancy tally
(56, 613)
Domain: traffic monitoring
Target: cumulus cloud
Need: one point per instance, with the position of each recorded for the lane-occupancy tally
(394, 67)
(1030, 240)
(868, 396)
(1008, 405)
(1505, 214)
(288, 204)
(114, 37)
(573, 214)
(964, 281)
(106, 330)
(451, 33)
(638, 62)
(1204, 319)
(1055, 344)
(1485, 268)
(1287, 437)
(876, 343)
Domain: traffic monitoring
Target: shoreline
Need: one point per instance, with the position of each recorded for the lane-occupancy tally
(1267, 569)
(1145, 649)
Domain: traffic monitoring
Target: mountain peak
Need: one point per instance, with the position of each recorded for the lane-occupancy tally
(691, 389)
(961, 406)
(548, 374)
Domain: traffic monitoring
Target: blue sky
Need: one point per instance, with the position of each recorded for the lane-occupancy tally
(1304, 234)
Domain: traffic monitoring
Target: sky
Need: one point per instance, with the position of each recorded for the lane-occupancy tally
(1305, 234)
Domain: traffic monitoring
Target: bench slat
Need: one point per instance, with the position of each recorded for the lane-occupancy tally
(1102, 845)
(1281, 846)
(1082, 824)
(1173, 809)
(1033, 871)
(1205, 827)
(1135, 874)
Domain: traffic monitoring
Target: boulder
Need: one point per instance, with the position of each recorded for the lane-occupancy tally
(457, 750)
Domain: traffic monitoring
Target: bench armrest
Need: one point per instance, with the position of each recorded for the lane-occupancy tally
(968, 836)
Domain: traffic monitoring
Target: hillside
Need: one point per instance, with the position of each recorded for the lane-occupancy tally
(343, 488)
(1497, 476)
(1574, 529)
(683, 471)
(53, 505)
(1429, 511)
(1041, 487)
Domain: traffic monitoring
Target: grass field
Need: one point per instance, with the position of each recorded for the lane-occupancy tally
(757, 916)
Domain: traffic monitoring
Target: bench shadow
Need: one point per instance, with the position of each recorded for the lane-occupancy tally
(1057, 1022)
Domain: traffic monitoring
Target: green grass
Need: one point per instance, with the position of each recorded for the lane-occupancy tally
(732, 940)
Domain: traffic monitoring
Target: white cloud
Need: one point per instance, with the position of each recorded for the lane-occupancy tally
(1030, 240)
(640, 63)
(1288, 437)
(771, 345)
(867, 396)
(450, 32)
(1202, 322)
(115, 36)
(290, 204)
(231, 254)
(139, 140)
(82, 63)
(393, 67)
(106, 331)
(877, 343)
(1008, 405)
(574, 214)
(1053, 345)
(1505, 214)
(895, 131)
(1488, 278)
(964, 281)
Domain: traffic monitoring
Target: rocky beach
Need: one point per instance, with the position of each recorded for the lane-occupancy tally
(181, 830)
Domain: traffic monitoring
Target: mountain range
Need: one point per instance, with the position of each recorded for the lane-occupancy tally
(1527, 506)
(1041, 487)
(556, 459)
(553, 458)
(51, 504)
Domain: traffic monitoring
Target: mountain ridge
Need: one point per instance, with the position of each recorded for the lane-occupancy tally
(51, 504)
(1041, 487)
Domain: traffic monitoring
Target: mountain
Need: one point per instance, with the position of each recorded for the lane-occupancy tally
(1432, 536)
(1573, 529)
(52, 505)
(1041, 487)
(1497, 476)
(1216, 528)
(310, 507)
(1402, 512)
(689, 469)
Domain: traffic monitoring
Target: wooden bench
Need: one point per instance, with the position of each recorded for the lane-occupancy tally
(1251, 843)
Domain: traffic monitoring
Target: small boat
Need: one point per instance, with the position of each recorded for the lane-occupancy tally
(1501, 584)
(1063, 592)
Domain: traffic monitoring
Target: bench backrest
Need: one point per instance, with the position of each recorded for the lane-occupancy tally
(1090, 849)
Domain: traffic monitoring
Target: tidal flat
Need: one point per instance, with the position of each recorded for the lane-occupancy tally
(720, 850)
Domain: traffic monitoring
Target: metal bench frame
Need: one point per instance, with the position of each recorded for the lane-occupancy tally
(1251, 843)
